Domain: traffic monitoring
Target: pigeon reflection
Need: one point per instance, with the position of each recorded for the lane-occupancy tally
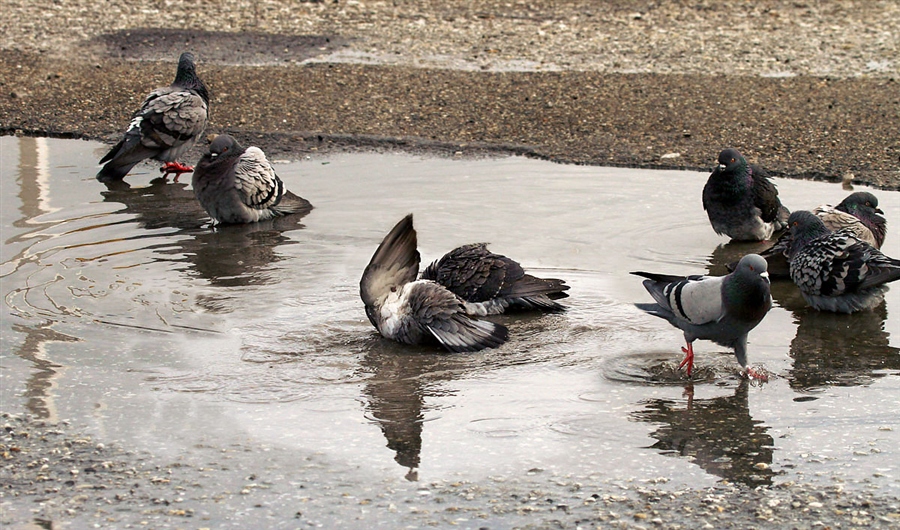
(718, 434)
(396, 392)
(842, 350)
(730, 253)
(226, 255)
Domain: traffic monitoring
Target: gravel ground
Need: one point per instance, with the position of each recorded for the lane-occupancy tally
(808, 89)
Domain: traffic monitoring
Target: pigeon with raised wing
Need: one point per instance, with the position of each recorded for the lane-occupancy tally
(741, 201)
(414, 311)
(836, 271)
(166, 126)
(722, 309)
(492, 283)
(237, 184)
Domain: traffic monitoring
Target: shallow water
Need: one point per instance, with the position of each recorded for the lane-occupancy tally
(126, 312)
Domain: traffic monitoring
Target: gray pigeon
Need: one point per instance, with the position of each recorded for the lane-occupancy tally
(722, 309)
(741, 201)
(490, 283)
(237, 184)
(166, 126)
(836, 271)
(414, 311)
(858, 213)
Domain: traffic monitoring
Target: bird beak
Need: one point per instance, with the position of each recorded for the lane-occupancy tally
(764, 275)
(879, 210)
(213, 155)
(722, 166)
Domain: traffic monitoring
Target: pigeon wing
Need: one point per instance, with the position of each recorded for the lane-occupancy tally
(394, 264)
(171, 117)
(256, 181)
(765, 195)
(442, 314)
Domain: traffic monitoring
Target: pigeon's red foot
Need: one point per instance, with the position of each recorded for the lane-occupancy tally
(759, 376)
(176, 168)
(688, 358)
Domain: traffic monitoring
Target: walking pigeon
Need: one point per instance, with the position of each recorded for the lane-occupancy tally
(741, 201)
(722, 309)
(858, 213)
(414, 311)
(166, 126)
(237, 184)
(490, 283)
(836, 271)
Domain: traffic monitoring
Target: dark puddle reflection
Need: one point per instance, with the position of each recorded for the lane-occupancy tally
(717, 434)
(396, 392)
(841, 350)
(226, 255)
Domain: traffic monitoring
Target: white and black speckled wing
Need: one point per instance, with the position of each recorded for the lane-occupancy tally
(255, 179)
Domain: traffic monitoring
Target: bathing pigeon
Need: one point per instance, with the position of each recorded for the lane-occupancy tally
(722, 309)
(741, 201)
(166, 126)
(490, 283)
(858, 213)
(836, 271)
(414, 311)
(237, 184)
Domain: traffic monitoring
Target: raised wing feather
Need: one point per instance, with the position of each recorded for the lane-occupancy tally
(395, 263)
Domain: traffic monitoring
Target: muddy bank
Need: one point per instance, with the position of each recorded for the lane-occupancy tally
(799, 127)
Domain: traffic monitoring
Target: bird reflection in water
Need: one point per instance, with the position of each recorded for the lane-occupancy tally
(839, 349)
(397, 389)
(718, 434)
(226, 255)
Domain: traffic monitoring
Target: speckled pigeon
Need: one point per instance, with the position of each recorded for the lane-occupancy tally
(836, 271)
(722, 309)
(741, 201)
(491, 283)
(237, 184)
(414, 311)
(166, 126)
(858, 213)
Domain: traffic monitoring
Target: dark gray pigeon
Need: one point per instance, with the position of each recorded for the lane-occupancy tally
(237, 184)
(490, 283)
(836, 271)
(741, 201)
(414, 311)
(858, 213)
(168, 124)
(722, 309)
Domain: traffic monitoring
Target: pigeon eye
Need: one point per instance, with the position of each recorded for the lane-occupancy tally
(732, 161)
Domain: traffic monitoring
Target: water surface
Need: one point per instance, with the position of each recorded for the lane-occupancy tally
(125, 311)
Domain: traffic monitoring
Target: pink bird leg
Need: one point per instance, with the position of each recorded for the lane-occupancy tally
(688, 358)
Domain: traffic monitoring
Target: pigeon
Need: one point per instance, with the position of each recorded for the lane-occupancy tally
(858, 212)
(166, 126)
(741, 201)
(490, 283)
(722, 309)
(415, 311)
(237, 184)
(837, 271)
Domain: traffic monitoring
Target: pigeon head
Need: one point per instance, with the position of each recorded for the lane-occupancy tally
(805, 226)
(861, 201)
(225, 146)
(186, 76)
(731, 159)
(753, 265)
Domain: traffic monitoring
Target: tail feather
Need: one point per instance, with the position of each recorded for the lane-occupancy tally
(291, 204)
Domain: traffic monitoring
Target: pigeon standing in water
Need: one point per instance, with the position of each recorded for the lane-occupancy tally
(858, 213)
(741, 201)
(237, 184)
(490, 283)
(836, 271)
(166, 126)
(414, 311)
(722, 309)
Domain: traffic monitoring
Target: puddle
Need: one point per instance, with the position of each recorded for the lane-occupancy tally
(126, 313)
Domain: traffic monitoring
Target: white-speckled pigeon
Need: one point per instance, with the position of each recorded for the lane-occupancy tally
(741, 201)
(857, 213)
(490, 283)
(237, 184)
(836, 271)
(166, 126)
(414, 311)
(722, 309)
